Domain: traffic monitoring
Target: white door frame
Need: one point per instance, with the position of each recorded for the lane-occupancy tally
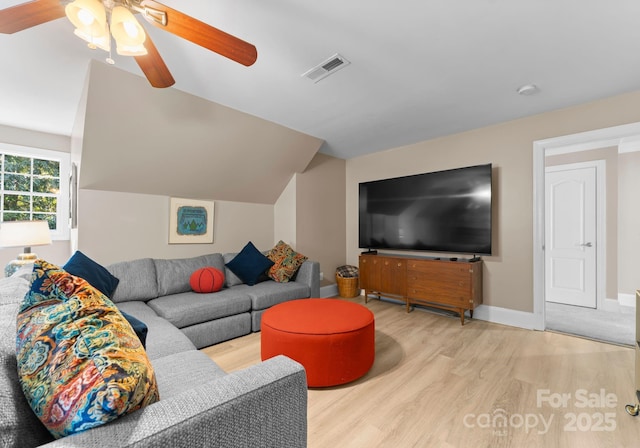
(601, 138)
(601, 222)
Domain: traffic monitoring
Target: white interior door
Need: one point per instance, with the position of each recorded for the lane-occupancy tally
(570, 234)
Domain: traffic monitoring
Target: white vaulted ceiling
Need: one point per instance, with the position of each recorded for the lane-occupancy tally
(419, 69)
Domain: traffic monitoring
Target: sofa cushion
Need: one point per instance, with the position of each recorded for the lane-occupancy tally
(172, 370)
(249, 265)
(137, 280)
(13, 289)
(80, 364)
(206, 280)
(191, 308)
(163, 338)
(82, 266)
(215, 331)
(267, 294)
(286, 262)
(173, 275)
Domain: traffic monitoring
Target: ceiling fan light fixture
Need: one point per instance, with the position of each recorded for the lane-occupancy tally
(88, 16)
(125, 29)
(92, 23)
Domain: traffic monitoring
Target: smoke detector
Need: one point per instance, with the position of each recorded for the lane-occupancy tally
(326, 68)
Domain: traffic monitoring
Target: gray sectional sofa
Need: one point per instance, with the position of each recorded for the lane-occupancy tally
(161, 287)
(200, 405)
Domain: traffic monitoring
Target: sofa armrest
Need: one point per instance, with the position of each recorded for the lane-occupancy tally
(263, 405)
(309, 274)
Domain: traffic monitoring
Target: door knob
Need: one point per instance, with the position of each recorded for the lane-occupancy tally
(586, 244)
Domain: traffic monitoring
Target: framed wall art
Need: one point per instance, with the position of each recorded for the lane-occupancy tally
(190, 221)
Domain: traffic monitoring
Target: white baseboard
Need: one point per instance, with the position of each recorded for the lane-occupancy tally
(627, 300)
(505, 316)
(496, 315)
(626, 303)
(522, 319)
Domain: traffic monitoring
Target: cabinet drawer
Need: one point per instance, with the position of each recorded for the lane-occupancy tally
(440, 269)
(438, 295)
(440, 284)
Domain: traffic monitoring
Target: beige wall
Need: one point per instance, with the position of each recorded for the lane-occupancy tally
(138, 139)
(610, 156)
(508, 274)
(285, 215)
(34, 139)
(629, 223)
(321, 213)
(170, 143)
(310, 215)
(57, 253)
(115, 226)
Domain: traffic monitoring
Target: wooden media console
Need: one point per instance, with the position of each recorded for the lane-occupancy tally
(441, 283)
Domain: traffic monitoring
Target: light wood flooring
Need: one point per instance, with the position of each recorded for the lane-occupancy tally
(435, 383)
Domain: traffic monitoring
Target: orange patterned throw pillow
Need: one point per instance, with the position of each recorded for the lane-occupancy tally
(286, 262)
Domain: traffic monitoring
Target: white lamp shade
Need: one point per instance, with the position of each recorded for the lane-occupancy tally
(88, 16)
(126, 50)
(24, 233)
(125, 29)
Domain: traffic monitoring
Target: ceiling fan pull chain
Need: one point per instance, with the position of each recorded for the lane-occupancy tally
(109, 59)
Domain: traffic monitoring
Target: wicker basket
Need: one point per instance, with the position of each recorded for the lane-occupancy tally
(347, 287)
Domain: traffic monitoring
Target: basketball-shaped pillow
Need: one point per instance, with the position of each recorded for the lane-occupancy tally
(207, 280)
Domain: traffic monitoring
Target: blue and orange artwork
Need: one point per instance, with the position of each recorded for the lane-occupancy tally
(192, 220)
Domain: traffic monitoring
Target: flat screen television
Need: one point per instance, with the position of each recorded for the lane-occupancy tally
(442, 211)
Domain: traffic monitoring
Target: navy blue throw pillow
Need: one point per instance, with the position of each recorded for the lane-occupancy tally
(249, 265)
(138, 326)
(84, 267)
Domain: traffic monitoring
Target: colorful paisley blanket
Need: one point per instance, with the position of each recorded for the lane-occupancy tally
(80, 363)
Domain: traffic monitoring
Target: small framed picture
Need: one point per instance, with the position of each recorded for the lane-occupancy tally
(190, 221)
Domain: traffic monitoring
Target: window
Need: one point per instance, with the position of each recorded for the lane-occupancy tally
(34, 185)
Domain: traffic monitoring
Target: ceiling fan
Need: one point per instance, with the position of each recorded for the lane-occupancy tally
(94, 18)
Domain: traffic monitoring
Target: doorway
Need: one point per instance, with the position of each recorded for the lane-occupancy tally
(569, 272)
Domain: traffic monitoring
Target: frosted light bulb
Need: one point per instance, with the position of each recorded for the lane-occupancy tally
(131, 29)
(85, 17)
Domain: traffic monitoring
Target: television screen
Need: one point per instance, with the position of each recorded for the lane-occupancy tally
(443, 211)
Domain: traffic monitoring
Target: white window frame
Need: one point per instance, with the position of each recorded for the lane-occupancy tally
(62, 213)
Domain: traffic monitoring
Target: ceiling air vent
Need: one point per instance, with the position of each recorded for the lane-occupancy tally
(326, 68)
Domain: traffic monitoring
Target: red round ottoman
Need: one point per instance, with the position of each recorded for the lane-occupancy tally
(333, 339)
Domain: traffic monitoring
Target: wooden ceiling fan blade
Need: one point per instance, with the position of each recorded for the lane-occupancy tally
(198, 32)
(27, 15)
(153, 66)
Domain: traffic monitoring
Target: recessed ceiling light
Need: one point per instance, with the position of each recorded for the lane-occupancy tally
(528, 89)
